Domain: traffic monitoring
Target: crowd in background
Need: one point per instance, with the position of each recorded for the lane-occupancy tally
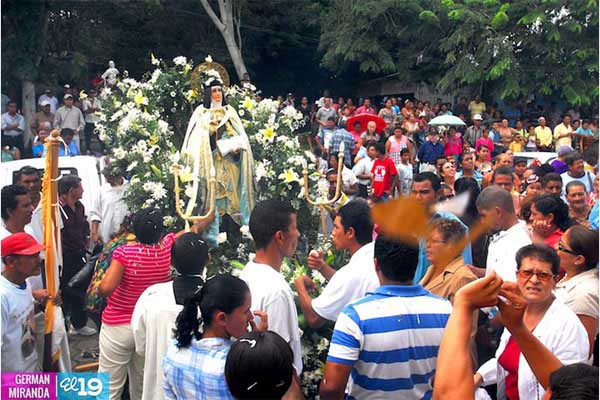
(393, 306)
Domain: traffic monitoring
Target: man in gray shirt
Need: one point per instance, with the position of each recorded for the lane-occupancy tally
(70, 117)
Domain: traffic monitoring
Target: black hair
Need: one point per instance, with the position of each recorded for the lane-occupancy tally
(317, 151)
(572, 157)
(372, 144)
(27, 170)
(220, 293)
(440, 158)
(506, 171)
(551, 177)
(540, 252)
(380, 148)
(9, 198)
(461, 157)
(431, 177)
(404, 151)
(396, 260)
(267, 218)
(468, 184)
(574, 382)
(550, 204)
(68, 182)
(357, 215)
(207, 93)
(67, 131)
(494, 196)
(331, 119)
(148, 225)
(189, 254)
(259, 366)
(584, 241)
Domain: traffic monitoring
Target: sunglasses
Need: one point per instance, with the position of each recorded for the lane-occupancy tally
(527, 274)
(562, 248)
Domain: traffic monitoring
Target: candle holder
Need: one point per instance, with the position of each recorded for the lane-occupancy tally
(322, 202)
(212, 187)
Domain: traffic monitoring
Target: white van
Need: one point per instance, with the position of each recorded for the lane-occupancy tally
(88, 168)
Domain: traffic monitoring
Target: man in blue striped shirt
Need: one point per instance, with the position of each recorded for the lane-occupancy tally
(388, 341)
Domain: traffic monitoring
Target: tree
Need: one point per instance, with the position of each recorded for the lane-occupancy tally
(228, 23)
(521, 48)
(24, 39)
(504, 50)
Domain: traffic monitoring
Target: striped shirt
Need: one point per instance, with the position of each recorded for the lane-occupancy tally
(391, 338)
(144, 266)
(197, 371)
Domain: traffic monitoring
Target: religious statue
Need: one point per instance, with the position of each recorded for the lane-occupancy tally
(216, 142)
(110, 75)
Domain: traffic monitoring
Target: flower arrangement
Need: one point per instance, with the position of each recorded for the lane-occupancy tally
(143, 125)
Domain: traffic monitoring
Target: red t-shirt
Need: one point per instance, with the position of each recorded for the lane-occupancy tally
(144, 266)
(383, 171)
(509, 360)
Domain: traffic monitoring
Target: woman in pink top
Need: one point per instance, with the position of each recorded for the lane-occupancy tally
(396, 143)
(453, 146)
(485, 139)
(134, 267)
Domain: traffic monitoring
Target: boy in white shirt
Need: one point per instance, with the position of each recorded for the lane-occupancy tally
(405, 172)
(275, 233)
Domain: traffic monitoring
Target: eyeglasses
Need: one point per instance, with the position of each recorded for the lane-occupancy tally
(562, 248)
(527, 274)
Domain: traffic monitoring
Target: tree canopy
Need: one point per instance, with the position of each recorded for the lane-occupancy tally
(506, 50)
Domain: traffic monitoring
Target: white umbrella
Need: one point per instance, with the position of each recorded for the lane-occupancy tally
(448, 120)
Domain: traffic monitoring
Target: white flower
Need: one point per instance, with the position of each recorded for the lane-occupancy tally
(260, 171)
(157, 72)
(132, 165)
(189, 190)
(173, 94)
(222, 237)
(156, 189)
(208, 59)
(155, 61)
(168, 220)
(241, 112)
(119, 153)
(163, 126)
(289, 176)
(181, 60)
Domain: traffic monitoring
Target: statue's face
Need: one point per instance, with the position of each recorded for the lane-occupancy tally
(216, 94)
(111, 64)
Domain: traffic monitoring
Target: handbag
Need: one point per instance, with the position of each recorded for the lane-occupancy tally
(80, 281)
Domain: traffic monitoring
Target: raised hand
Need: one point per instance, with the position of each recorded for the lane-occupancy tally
(512, 310)
(480, 293)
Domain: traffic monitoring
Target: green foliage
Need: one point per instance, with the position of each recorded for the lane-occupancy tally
(501, 49)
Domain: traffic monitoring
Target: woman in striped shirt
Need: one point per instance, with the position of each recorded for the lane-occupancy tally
(134, 267)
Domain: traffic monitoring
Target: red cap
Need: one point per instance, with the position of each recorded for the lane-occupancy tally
(22, 244)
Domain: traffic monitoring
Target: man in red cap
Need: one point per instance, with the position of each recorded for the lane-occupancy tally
(21, 257)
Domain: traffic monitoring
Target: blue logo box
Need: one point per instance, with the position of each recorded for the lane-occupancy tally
(82, 385)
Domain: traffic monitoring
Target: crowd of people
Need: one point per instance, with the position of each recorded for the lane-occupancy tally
(516, 307)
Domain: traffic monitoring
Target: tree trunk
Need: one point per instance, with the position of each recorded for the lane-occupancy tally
(28, 99)
(234, 53)
(226, 25)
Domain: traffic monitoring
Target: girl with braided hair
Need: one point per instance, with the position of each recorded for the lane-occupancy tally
(195, 363)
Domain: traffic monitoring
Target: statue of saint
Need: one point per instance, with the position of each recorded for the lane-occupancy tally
(110, 75)
(216, 141)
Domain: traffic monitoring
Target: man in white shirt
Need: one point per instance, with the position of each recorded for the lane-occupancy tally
(362, 170)
(51, 99)
(275, 233)
(110, 209)
(91, 105)
(13, 126)
(577, 172)
(352, 231)
(21, 253)
(511, 233)
(156, 310)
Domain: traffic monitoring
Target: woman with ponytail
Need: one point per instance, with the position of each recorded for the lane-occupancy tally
(194, 367)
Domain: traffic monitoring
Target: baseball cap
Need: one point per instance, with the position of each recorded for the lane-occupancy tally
(67, 86)
(564, 150)
(518, 160)
(67, 96)
(47, 90)
(22, 244)
(44, 103)
(477, 117)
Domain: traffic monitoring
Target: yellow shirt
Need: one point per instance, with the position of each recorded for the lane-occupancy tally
(544, 135)
(476, 108)
(561, 129)
(516, 146)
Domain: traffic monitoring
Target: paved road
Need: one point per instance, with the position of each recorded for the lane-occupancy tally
(84, 349)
